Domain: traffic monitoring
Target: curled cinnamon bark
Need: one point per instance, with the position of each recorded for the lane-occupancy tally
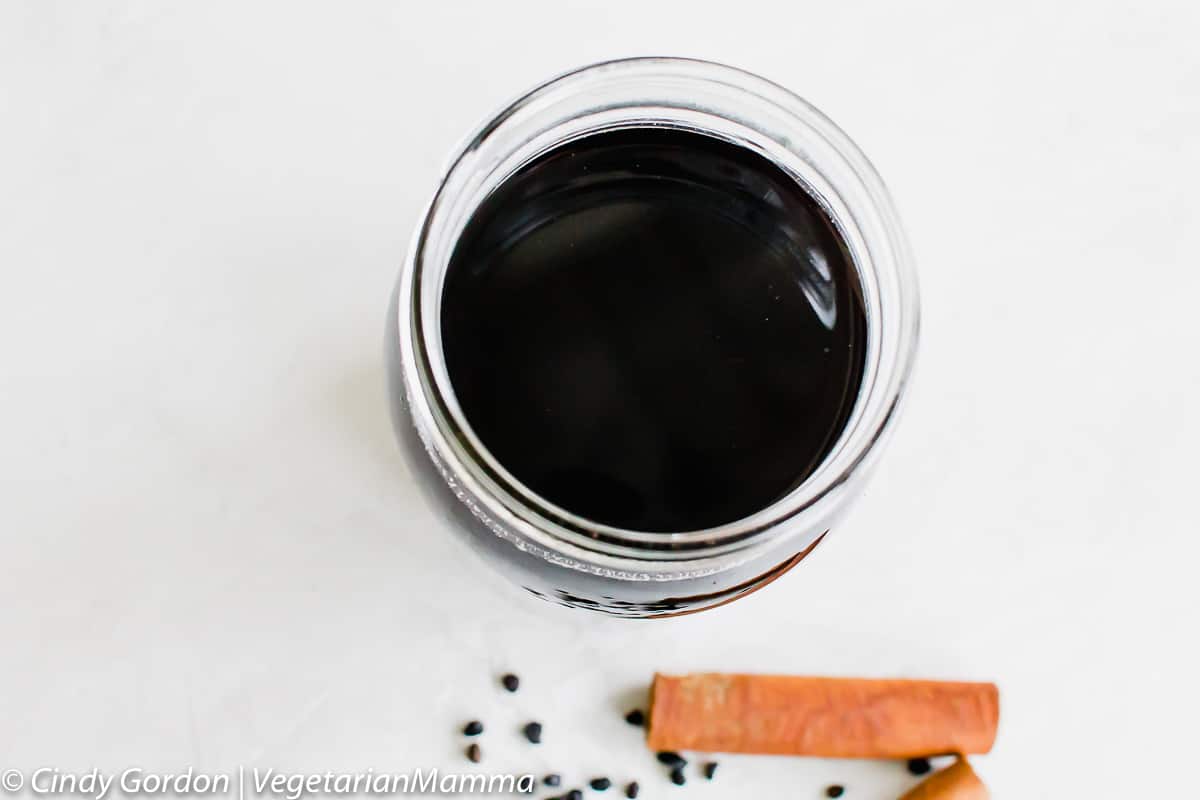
(956, 782)
(826, 717)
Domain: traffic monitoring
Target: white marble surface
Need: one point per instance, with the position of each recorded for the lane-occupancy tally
(210, 553)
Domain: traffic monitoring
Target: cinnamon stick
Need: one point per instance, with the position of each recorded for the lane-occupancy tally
(826, 717)
(956, 782)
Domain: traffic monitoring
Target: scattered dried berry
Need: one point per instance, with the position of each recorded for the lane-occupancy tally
(710, 769)
(574, 794)
(474, 754)
(553, 779)
(511, 682)
(835, 791)
(636, 717)
(677, 776)
(600, 784)
(673, 760)
(533, 732)
(631, 791)
(473, 728)
(919, 766)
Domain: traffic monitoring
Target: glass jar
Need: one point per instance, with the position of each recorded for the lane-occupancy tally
(570, 560)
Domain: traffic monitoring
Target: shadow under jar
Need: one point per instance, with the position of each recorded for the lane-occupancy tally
(650, 334)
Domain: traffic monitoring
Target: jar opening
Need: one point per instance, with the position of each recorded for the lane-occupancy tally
(688, 98)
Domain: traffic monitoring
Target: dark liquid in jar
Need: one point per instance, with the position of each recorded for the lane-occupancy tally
(654, 329)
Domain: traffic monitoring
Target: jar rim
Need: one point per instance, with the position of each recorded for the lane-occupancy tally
(711, 99)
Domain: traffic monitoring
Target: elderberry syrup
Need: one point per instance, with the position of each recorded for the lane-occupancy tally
(652, 330)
